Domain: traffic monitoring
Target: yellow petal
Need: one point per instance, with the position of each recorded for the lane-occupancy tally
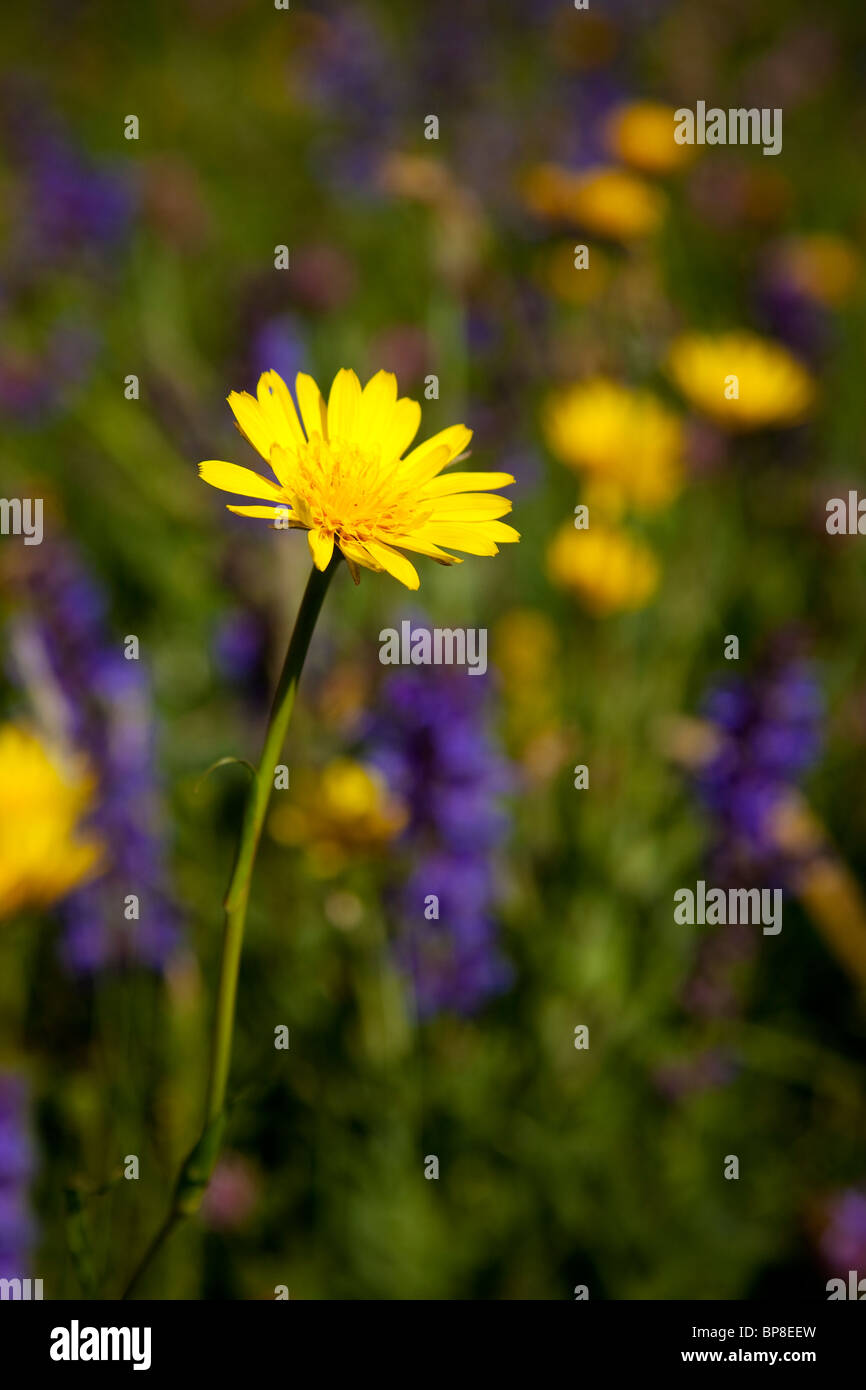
(470, 506)
(278, 408)
(343, 404)
(424, 547)
(424, 461)
(321, 548)
(353, 569)
(378, 400)
(395, 563)
(284, 463)
(358, 554)
(447, 483)
(253, 424)
(402, 428)
(266, 513)
(500, 531)
(460, 536)
(230, 477)
(312, 406)
(424, 469)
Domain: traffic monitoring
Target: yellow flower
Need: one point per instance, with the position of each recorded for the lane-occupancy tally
(557, 273)
(546, 189)
(43, 854)
(418, 176)
(526, 651)
(740, 380)
(526, 648)
(605, 567)
(612, 203)
(834, 900)
(344, 812)
(626, 440)
(460, 230)
(641, 134)
(824, 267)
(346, 479)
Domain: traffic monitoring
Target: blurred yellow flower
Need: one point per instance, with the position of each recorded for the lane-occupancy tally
(641, 133)
(606, 568)
(823, 882)
(558, 273)
(461, 231)
(608, 202)
(626, 440)
(834, 900)
(526, 647)
(342, 813)
(526, 652)
(583, 41)
(545, 189)
(740, 380)
(343, 478)
(824, 267)
(418, 176)
(43, 852)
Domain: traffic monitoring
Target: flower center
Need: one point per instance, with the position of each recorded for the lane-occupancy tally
(350, 493)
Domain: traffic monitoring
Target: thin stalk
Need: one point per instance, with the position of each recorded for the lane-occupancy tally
(196, 1171)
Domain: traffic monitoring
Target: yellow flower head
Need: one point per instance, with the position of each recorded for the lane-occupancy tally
(606, 568)
(627, 441)
(343, 475)
(824, 267)
(740, 380)
(641, 134)
(526, 650)
(344, 812)
(43, 854)
(558, 274)
(612, 203)
(526, 647)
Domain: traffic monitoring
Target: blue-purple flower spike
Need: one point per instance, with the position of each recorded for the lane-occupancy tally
(17, 1163)
(431, 742)
(104, 704)
(769, 734)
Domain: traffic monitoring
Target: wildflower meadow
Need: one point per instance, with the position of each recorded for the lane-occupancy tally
(433, 684)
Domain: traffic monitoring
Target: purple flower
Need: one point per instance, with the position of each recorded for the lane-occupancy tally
(70, 208)
(795, 318)
(429, 739)
(70, 216)
(769, 734)
(843, 1241)
(240, 648)
(278, 345)
(348, 69)
(36, 384)
(65, 654)
(349, 75)
(75, 206)
(17, 1163)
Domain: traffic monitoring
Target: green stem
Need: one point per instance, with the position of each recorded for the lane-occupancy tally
(196, 1171)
